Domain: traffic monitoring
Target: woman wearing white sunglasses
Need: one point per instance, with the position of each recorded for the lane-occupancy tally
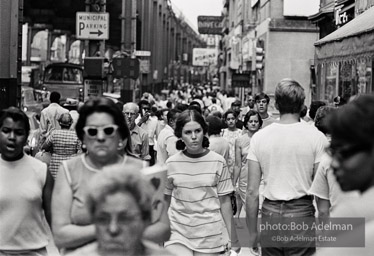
(105, 136)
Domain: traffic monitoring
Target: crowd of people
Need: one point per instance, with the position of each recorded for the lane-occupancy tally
(222, 161)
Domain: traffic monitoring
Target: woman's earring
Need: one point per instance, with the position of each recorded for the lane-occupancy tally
(120, 146)
(84, 147)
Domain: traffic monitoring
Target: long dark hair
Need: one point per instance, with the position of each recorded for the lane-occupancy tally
(103, 105)
(185, 117)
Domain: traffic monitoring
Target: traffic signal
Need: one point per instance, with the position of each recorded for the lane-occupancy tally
(125, 67)
(260, 57)
(94, 67)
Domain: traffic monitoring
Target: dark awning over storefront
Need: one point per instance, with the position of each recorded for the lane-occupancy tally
(353, 41)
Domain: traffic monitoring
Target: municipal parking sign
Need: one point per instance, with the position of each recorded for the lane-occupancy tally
(92, 25)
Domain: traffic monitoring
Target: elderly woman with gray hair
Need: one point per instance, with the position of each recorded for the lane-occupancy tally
(120, 205)
(63, 144)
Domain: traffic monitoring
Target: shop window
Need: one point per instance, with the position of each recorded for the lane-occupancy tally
(330, 88)
(347, 83)
(364, 77)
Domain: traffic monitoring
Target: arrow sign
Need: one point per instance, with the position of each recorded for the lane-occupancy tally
(98, 33)
(92, 25)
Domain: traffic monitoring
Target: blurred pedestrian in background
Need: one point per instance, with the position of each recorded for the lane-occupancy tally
(230, 134)
(62, 143)
(252, 123)
(50, 115)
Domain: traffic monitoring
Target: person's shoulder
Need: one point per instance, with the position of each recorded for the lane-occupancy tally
(214, 156)
(175, 158)
(36, 163)
(75, 161)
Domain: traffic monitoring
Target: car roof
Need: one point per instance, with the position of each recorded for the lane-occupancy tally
(64, 64)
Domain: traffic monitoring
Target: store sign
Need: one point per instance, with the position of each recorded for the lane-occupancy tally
(204, 56)
(210, 25)
(300, 8)
(93, 88)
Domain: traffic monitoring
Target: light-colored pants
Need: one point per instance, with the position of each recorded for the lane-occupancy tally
(181, 250)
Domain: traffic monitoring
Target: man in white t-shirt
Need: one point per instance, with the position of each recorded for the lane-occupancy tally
(286, 154)
(166, 144)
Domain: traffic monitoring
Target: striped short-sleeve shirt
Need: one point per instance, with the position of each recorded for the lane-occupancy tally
(195, 183)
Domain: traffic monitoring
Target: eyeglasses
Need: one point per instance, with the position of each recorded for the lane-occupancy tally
(92, 131)
(344, 152)
(129, 114)
(262, 101)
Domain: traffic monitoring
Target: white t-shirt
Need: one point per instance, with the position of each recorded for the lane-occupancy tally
(326, 187)
(287, 154)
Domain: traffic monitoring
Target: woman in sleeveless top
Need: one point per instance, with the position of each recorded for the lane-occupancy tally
(231, 133)
(25, 190)
(105, 136)
(252, 122)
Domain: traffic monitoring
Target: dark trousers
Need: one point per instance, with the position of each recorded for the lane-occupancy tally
(287, 211)
(152, 153)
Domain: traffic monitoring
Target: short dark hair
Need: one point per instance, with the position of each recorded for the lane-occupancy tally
(172, 114)
(314, 106)
(103, 105)
(230, 111)
(214, 125)
(182, 107)
(195, 107)
(16, 115)
(143, 102)
(185, 117)
(321, 117)
(248, 116)
(353, 122)
(260, 96)
(55, 97)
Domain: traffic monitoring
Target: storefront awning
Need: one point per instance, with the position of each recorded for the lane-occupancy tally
(353, 41)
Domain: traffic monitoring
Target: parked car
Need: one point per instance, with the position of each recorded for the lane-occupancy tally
(29, 102)
(33, 141)
(65, 78)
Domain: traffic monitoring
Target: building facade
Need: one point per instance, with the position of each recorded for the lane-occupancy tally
(344, 53)
(280, 29)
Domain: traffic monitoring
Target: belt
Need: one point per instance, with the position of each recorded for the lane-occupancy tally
(306, 197)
